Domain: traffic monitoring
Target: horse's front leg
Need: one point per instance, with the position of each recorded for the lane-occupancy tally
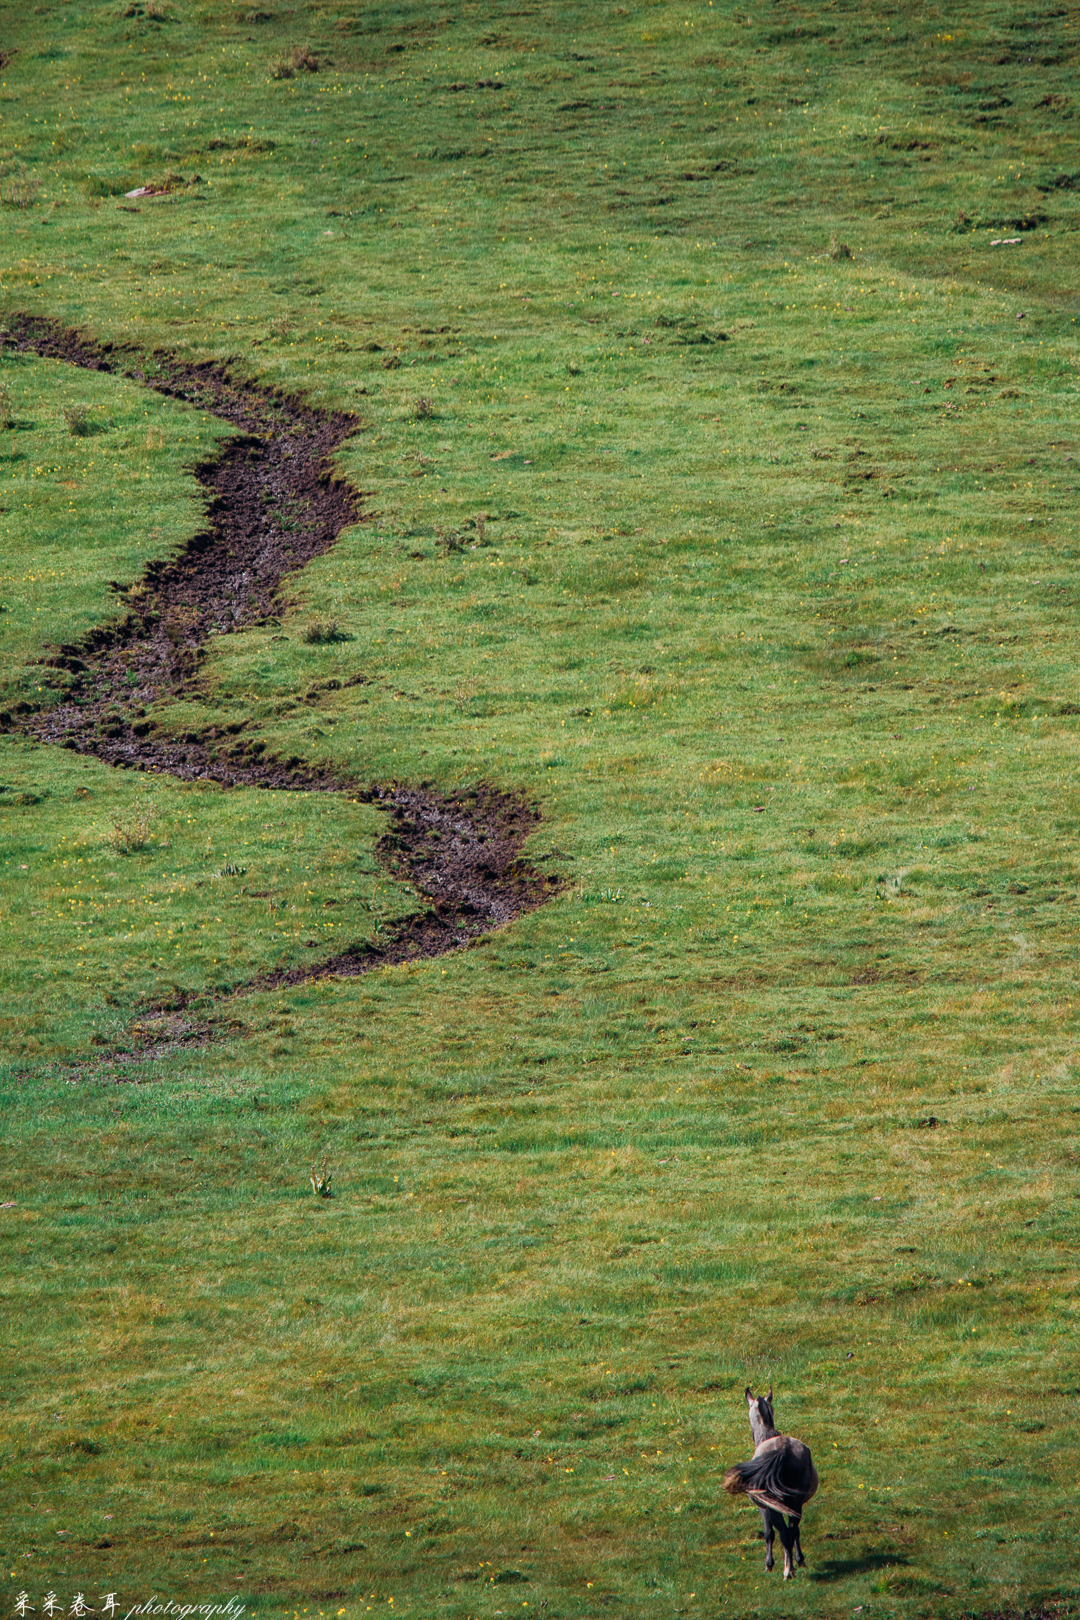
(799, 1559)
(769, 1521)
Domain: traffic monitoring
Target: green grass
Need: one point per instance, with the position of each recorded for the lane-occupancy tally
(772, 610)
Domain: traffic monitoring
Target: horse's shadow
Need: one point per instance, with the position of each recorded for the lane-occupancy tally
(837, 1569)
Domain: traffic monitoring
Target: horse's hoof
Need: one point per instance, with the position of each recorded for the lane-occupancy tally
(789, 1574)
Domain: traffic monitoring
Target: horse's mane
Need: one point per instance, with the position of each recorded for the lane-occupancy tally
(782, 1479)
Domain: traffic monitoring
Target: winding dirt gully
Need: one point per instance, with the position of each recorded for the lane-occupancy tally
(460, 850)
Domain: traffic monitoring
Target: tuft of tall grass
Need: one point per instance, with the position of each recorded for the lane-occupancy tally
(79, 419)
(320, 632)
(300, 59)
(128, 832)
(19, 186)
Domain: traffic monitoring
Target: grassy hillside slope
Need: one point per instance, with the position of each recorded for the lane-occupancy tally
(717, 380)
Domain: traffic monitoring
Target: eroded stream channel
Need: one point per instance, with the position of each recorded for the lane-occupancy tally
(461, 851)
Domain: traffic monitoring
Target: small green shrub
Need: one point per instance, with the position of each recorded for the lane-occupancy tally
(464, 692)
(18, 187)
(290, 63)
(319, 631)
(80, 423)
(126, 834)
(95, 187)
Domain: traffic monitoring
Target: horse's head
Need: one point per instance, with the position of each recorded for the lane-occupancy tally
(761, 1416)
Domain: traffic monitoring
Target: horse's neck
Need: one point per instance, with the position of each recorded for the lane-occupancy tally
(760, 1430)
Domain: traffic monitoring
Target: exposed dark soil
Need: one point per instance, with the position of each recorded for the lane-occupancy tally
(274, 505)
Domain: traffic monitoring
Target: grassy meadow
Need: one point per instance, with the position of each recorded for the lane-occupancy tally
(717, 384)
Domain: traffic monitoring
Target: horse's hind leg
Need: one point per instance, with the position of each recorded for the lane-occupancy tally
(787, 1541)
(799, 1559)
(769, 1520)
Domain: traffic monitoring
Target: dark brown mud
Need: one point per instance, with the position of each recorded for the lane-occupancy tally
(274, 505)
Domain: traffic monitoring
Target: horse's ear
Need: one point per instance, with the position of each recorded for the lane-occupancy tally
(748, 1395)
(769, 1395)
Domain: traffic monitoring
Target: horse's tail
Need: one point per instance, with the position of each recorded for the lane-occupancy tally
(735, 1479)
(782, 1479)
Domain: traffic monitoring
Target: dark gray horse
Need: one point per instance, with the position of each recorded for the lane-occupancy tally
(779, 1478)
